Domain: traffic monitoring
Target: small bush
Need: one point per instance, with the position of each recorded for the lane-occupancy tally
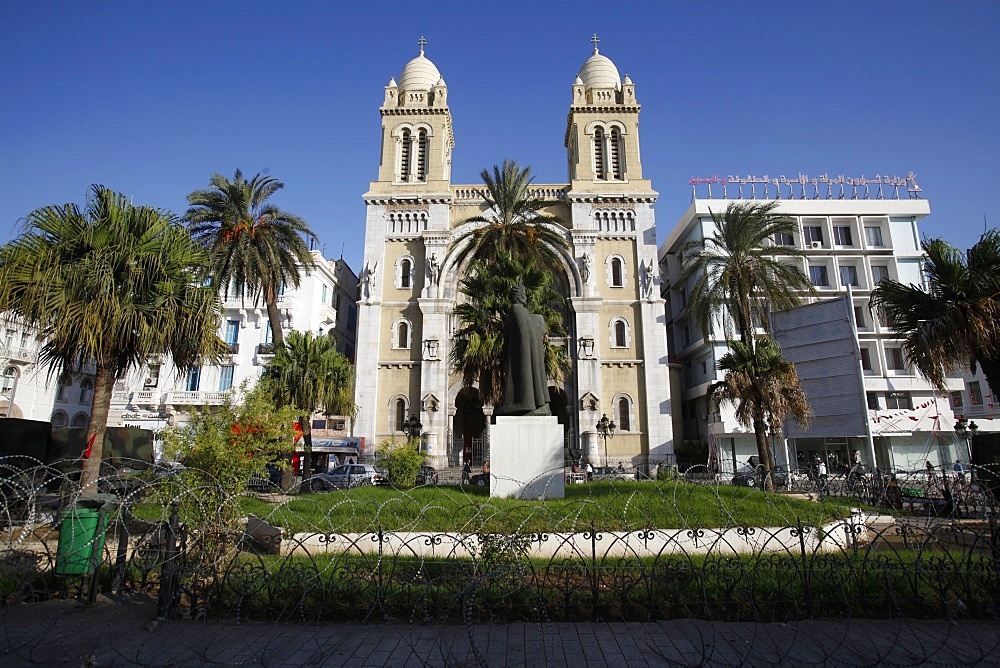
(666, 472)
(401, 460)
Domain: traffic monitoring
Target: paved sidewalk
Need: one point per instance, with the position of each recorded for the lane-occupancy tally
(125, 633)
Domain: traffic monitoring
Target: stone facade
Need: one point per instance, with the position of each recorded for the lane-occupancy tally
(409, 283)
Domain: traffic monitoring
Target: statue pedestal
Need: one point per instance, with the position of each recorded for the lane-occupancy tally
(526, 458)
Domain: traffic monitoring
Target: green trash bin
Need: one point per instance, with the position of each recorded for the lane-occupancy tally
(81, 535)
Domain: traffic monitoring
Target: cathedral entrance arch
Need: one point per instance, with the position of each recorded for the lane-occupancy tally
(468, 427)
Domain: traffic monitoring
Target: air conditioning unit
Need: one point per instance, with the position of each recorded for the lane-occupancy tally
(815, 244)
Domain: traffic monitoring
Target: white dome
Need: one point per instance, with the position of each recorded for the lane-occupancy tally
(419, 74)
(599, 72)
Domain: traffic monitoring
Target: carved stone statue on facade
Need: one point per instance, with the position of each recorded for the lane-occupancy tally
(525, 389)
(585, 263)
(433, 270)
(369, 278)
(647, 286)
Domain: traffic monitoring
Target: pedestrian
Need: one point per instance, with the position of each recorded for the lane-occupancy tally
(959, 472)
(466, 473)
(590, 472)
(486, 466)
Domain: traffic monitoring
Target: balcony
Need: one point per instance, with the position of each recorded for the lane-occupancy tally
(136, 398)
(146, 398)
(18, 354)
(198, 398)
(265, 353)
(232, 349)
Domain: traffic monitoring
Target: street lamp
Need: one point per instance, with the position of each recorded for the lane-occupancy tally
(606, 430)
(413, 426)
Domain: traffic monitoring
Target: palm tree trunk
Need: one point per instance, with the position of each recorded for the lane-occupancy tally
(104, 383)
(274, 317)
(763, 446)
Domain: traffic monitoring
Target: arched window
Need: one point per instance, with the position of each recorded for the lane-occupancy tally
(616, 154)
(9, 381)
(399, 415)
(80, 420)
(405, 269)
(58, 420)
(422, 145)
(623, 410)
(404, 156)
(62, 389)
(622, 407)
(403, 335)
(600, 166)
(86, 391)
(620, 335)
(617, 273)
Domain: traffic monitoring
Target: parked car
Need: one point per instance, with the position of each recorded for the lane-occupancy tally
(428, 475)
(612, 473)
(347, 475)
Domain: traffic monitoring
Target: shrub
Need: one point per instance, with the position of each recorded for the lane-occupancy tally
(666, 472)
(221, 448)
(401, 460)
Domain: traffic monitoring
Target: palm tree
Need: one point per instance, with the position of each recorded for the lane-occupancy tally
(765, 390)
(953, 322)
(513, 222)
(110, 285)
(738, 270)
(308, 373)
(255, 247)
(479, 343)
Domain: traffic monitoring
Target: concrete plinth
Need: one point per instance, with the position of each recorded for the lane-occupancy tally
(526, 458)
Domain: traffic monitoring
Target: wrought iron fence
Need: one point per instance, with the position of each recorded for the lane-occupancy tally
(861, 565)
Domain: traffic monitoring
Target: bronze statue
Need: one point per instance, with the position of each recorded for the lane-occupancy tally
(526, 389)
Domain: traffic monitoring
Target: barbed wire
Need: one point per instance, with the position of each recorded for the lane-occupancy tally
(875, 547)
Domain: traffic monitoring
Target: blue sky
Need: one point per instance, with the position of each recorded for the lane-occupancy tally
(151, 98)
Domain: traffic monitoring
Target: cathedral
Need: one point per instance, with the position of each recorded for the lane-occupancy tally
(409, 285)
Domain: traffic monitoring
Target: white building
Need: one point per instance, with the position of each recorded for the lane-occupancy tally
(155, 395)
(976, 401)
(28, 391)
(855, 232)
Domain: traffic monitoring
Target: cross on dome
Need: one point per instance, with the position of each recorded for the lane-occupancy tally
(595, 39)
(422, 43)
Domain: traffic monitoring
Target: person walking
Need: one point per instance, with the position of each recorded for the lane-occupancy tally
(486, 466)
(590, 472)
(466, 473)
(821, 479)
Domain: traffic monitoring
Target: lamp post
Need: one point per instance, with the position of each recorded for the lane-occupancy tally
(413, 426)
(606, 430)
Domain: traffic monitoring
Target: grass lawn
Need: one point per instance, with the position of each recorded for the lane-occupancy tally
(608, 505)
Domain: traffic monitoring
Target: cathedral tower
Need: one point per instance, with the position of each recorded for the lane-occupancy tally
(410, 282)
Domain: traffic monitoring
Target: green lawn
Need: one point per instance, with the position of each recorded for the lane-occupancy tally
(609, 506)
